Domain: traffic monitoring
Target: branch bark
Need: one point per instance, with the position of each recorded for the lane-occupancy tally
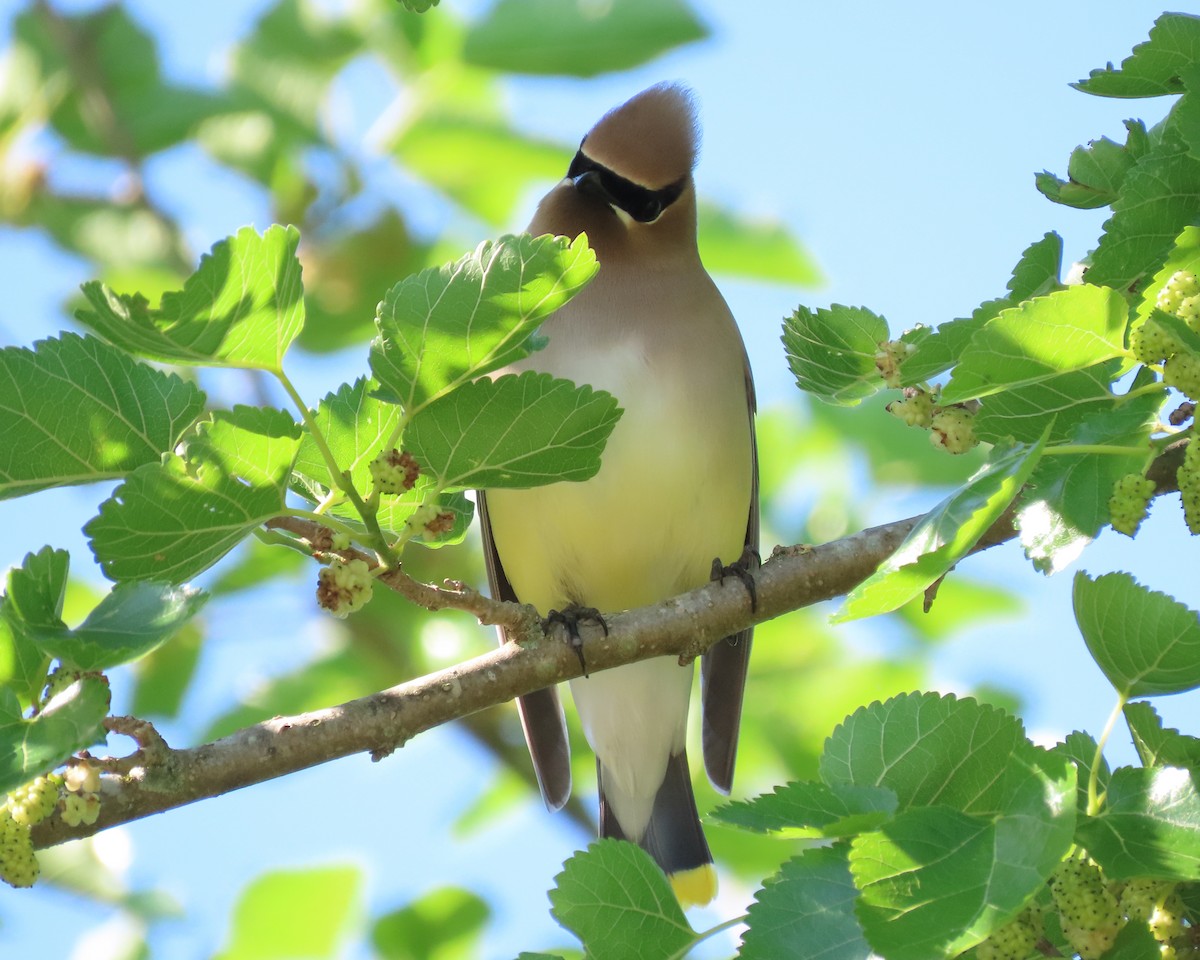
(157, 778)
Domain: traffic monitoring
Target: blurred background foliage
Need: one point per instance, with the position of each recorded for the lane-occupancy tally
(87, 114)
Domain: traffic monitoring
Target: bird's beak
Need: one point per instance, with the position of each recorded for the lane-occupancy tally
(590, 185)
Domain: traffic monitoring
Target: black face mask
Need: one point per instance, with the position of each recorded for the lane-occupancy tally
(641, 203)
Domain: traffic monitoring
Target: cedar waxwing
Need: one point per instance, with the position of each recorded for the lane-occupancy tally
(677, 486)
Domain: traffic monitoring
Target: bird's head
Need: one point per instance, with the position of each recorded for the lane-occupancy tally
(631, 179)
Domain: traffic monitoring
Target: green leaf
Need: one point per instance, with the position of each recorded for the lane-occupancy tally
(1146, 642)
(449, 325)
(1095, 173)
(1152, 70)
(38, 585)
(483, 164)
(444, 924)
(831, 352)
(172, 520)
(758, 249)
(618, 902)
(132, 620)
(806, 912)
(141, 113)
(1067, 502)
(927, 749)
(936, 880)
(829, 811)
(517, 431)
(1160, 196)
(1037, 272)
(1135, 942)
(1081, 750)
(289, 914)
(569, 39)
(984, 818)
(1059, 404)
(1160, 746)
(1063, 332)
(76, 410)
(71, 721)
(1149, 827)
(944, 535)
(241, 308)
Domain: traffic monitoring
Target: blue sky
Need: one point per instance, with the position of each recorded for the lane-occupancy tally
(899, 142)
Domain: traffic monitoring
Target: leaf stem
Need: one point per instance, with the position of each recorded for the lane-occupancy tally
(704, 935)
(1094, 798)
(1108, 449)
(270, 536)
(314, 430)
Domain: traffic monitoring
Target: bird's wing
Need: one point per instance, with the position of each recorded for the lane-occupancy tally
(723, 667)
(541, 712)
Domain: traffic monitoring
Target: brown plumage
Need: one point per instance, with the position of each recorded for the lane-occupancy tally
(677, 485)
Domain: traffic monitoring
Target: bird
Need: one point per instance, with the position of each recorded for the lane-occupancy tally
(676, 494)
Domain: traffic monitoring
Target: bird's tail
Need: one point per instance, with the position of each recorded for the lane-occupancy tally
(674, 837)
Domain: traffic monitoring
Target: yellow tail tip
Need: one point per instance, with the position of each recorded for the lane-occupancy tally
(695, 887)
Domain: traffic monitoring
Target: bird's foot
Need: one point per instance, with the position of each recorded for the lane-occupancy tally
(570, 618)
(742, 568)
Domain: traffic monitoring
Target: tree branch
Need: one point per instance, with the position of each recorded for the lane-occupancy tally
(157, 778)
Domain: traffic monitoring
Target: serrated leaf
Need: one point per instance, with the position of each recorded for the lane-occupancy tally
(1160, 196)
(1152, 70)
(1067, 502)
(1095, 171)
(128, 622)
(132, 620)
(242, 307)
(549, 37)
(1037, 272)
(1160, 746)
(1146, 642)
(1081, 749)
(38, 585)
(1149, 826)
(759, 249)
(936, 880)
(449, 325)
(616, 900)
(1040, 339)
(517, 431)
(806, 912)
(944, 535)
(927, 749)
(444, 924)
(831, 352)
(76, 410)
(836, 810)
(1059, 403)
(70, 722)
(293, 913)
(172, 520)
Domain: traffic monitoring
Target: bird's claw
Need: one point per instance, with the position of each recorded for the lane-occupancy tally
(570, 618)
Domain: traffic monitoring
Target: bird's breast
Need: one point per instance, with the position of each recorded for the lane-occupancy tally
(673, 490)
